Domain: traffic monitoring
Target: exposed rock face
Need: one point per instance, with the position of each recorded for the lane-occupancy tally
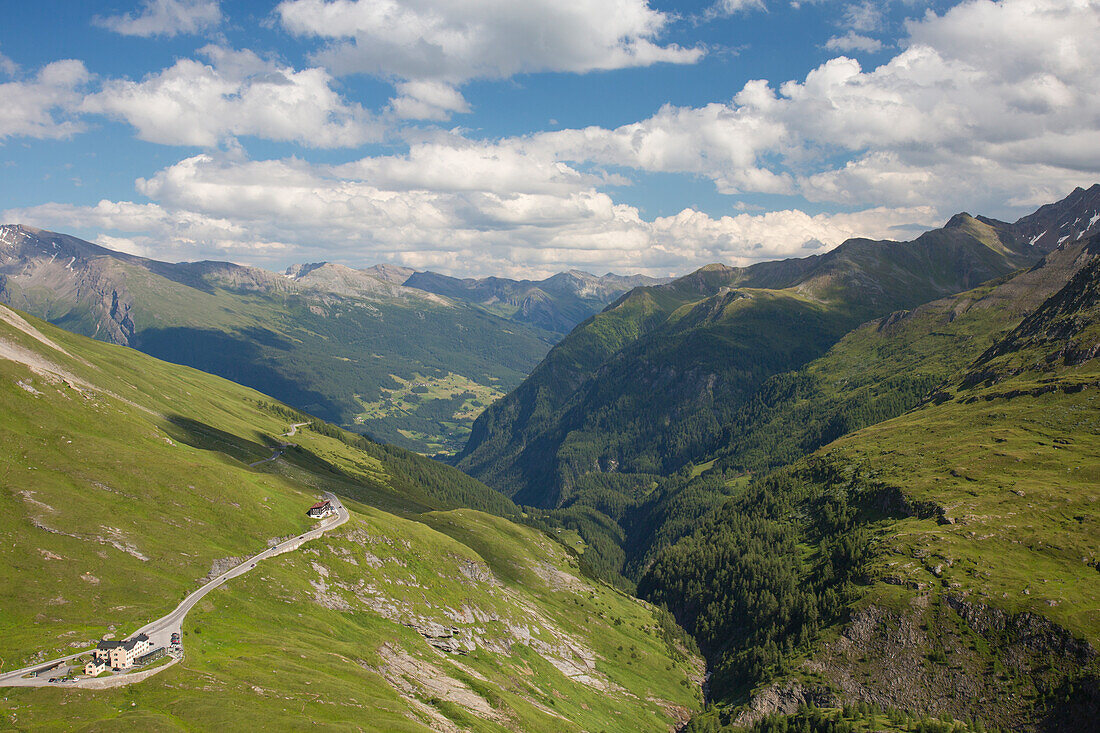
(415, 678)
(785, 698)
(69, 274)
(949, 655)
(498, 626)
(1074, 217)
(338, 279)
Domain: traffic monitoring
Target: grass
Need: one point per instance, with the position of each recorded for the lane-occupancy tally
(1018, 481)
(116, 499)
(443, 407)
(322, 353)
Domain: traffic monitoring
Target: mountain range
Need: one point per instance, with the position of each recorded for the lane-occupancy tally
(799, 457)
(692, 351)
(861, 486)
(356, 347)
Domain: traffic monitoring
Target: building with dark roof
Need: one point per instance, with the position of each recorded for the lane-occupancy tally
(121, 654)
(321, 509)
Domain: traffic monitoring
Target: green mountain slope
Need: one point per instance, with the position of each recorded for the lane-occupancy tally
(409, 367)
(878, 371)
(125, 480)
(942, 562)
(647, 386)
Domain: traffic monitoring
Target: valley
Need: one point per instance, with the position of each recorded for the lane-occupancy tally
(856, 489)
(127, 485)
(829, 529)
(328, 339)
(480, 366)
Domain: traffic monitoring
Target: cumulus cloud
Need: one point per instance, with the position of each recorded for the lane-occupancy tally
(726, 8)
(445, 44)
(165, 18)
(7, 66)
(852, 41)
(236, 93)
(983, 102)
(986, 107)
(44, 105)
(863, 16)
(385, 209)
(427, 100)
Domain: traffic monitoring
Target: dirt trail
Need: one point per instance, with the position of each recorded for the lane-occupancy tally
(14, 320)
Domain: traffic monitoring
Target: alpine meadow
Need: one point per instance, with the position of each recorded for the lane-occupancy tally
(692, 366)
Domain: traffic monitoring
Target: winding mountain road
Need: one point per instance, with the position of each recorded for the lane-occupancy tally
(282, 446)
(160, 631)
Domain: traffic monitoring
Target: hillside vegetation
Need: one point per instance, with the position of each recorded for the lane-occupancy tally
(904, 522)
(335, 342)
(125, 480)
(933, 562)
(652, 382)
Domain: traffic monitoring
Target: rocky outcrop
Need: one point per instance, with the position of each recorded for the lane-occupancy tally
(783, 698)
(942, 655)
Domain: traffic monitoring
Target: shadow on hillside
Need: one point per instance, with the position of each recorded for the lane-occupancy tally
(323, 475)
(241, 357)
(207, 437)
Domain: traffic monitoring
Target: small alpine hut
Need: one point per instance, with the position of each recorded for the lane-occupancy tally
(320, 510)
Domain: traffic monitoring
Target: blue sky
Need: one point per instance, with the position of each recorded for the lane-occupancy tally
(488, 136)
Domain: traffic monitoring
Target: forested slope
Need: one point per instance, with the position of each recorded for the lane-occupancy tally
(647, 385)
(941, 562)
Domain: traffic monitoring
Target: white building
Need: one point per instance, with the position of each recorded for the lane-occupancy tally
(321, 509)
(121, 654)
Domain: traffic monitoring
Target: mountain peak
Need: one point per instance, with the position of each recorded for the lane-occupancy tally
(301, 270)
(1075, 217)
(958, 220)
(395, 274)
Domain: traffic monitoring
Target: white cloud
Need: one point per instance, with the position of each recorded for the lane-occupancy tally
(450, 43)
(984, 102)
(43, 106)
(427, 100)
(165, 18)
(726, 8)
(852, 41)
(989, 107)
(392, 209)
(7, 66)
(863, 16)
(237, 93)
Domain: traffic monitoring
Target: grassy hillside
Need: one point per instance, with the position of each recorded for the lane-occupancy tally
(125, 480)
(649, 385)
(332, 341)
(874, 373)
(943, 562)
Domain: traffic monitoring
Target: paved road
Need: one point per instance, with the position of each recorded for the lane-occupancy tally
(278, 452)
(282, 446)
(160, 631)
